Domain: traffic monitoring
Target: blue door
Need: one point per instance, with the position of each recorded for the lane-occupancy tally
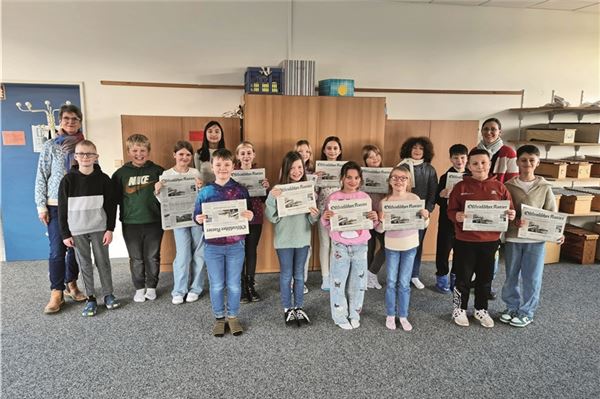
(24, 236)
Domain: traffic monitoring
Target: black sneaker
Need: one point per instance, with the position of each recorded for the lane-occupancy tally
(301, 316)
(252, 294)
(289, 316)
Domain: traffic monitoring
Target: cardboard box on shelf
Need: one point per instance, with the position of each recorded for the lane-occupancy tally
(595, 192)
(584, 132)
(552, 168)
(575, 202)
(579, 170)
(580, 244)
(551, 135)
(597, 230)
(552, 253)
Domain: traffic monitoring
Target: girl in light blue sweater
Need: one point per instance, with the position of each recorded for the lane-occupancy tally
(291, 240)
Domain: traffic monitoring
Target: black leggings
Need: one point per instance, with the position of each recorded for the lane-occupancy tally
(252, 240)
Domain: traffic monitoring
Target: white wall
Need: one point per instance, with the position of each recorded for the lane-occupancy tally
(379, 44)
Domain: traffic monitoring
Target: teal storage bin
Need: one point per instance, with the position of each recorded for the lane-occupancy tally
(336, 87)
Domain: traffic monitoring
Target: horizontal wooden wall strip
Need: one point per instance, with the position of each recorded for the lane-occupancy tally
(356, 89)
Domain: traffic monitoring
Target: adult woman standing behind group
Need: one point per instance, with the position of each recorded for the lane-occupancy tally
(55, 161)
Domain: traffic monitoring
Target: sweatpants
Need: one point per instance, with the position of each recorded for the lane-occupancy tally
(445, 241)
(143, 244)
(252, 240)
(101, 258)
(469, 258)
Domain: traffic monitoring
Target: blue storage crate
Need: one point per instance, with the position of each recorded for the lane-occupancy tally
(336, 87)
(263, 80)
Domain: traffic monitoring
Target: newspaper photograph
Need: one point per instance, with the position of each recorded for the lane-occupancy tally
(452, 178)
(403, 215)
(177, 198)
(296, 198)
(331, 173)
(541, 225)
(486, 215)
(375, 180)
(252, 179)
(224, 218)
(349, 215)
(312, 178)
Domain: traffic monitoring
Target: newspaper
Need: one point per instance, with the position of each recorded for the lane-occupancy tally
(252, 179)
(224, 218)
(486, 215)
(312, 178)
(331, 173)
(403, 215)
(452, 178)
(296, 198)
(375, 180)
(541, 225)
(177, 199)
(350, 215)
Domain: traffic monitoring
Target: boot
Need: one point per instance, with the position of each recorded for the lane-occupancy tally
(245, 295)
(73, 292)
(442, 284)
(56, 301)
(252, 294)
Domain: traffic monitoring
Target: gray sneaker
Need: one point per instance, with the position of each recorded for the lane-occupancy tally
(507, 315)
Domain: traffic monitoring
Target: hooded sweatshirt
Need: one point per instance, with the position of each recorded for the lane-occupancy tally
(134, 187)
(86, 203)
(539, 196)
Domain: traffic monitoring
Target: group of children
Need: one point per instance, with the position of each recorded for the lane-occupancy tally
(349, 260)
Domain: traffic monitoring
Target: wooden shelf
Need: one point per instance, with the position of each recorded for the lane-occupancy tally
(547, 143)
(556, 110)
(572, 179)
(591, 213)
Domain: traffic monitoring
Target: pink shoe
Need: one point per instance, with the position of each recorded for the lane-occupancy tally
(406, 326)
(390, 322)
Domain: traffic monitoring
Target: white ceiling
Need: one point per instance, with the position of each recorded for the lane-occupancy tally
(587, 6)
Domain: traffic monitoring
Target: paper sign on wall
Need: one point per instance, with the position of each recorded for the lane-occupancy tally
(13, 137)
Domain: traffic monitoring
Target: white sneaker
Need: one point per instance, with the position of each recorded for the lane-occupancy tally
(191, 297)
(345, 326)
(460, 317)
(406, 326)
(355, 323)
(484, 318)
(150, 293)
(325, 284)
(305, 289)
(372, 281)
(177, 300)
(139, 295)
(417, 283)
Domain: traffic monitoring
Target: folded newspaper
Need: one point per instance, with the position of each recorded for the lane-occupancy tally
(224, 218)
(350, 215)
(541, 225)
(331, 171)
(486, 216)
(375, 180)
(177, 199)
(403, 215)
(252, 179)
(296, 198)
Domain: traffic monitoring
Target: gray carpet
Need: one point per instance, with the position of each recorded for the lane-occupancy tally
(159, 350)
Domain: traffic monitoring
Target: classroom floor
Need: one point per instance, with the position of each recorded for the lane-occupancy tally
(159, 350)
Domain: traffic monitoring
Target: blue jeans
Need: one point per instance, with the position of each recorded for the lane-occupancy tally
(348, 264)
(397, 291)
(527, 262)
(291, 264)
(188, 266)
(224, 264)
(417, 261)
(60, 270)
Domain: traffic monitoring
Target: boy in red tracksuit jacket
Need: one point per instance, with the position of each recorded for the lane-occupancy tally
(474, 251)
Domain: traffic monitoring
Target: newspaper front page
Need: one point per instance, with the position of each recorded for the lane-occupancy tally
(177, 199)
(351, 215)
(541, 225)
(252, 179)
(452, 178)
(296, 198)
(403, 215)
(375, 180)
(331, 173)
(224, 218)
(486, 216)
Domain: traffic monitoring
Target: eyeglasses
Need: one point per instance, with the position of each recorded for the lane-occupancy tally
(86, 154)
(67, 119)
(399, 178)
